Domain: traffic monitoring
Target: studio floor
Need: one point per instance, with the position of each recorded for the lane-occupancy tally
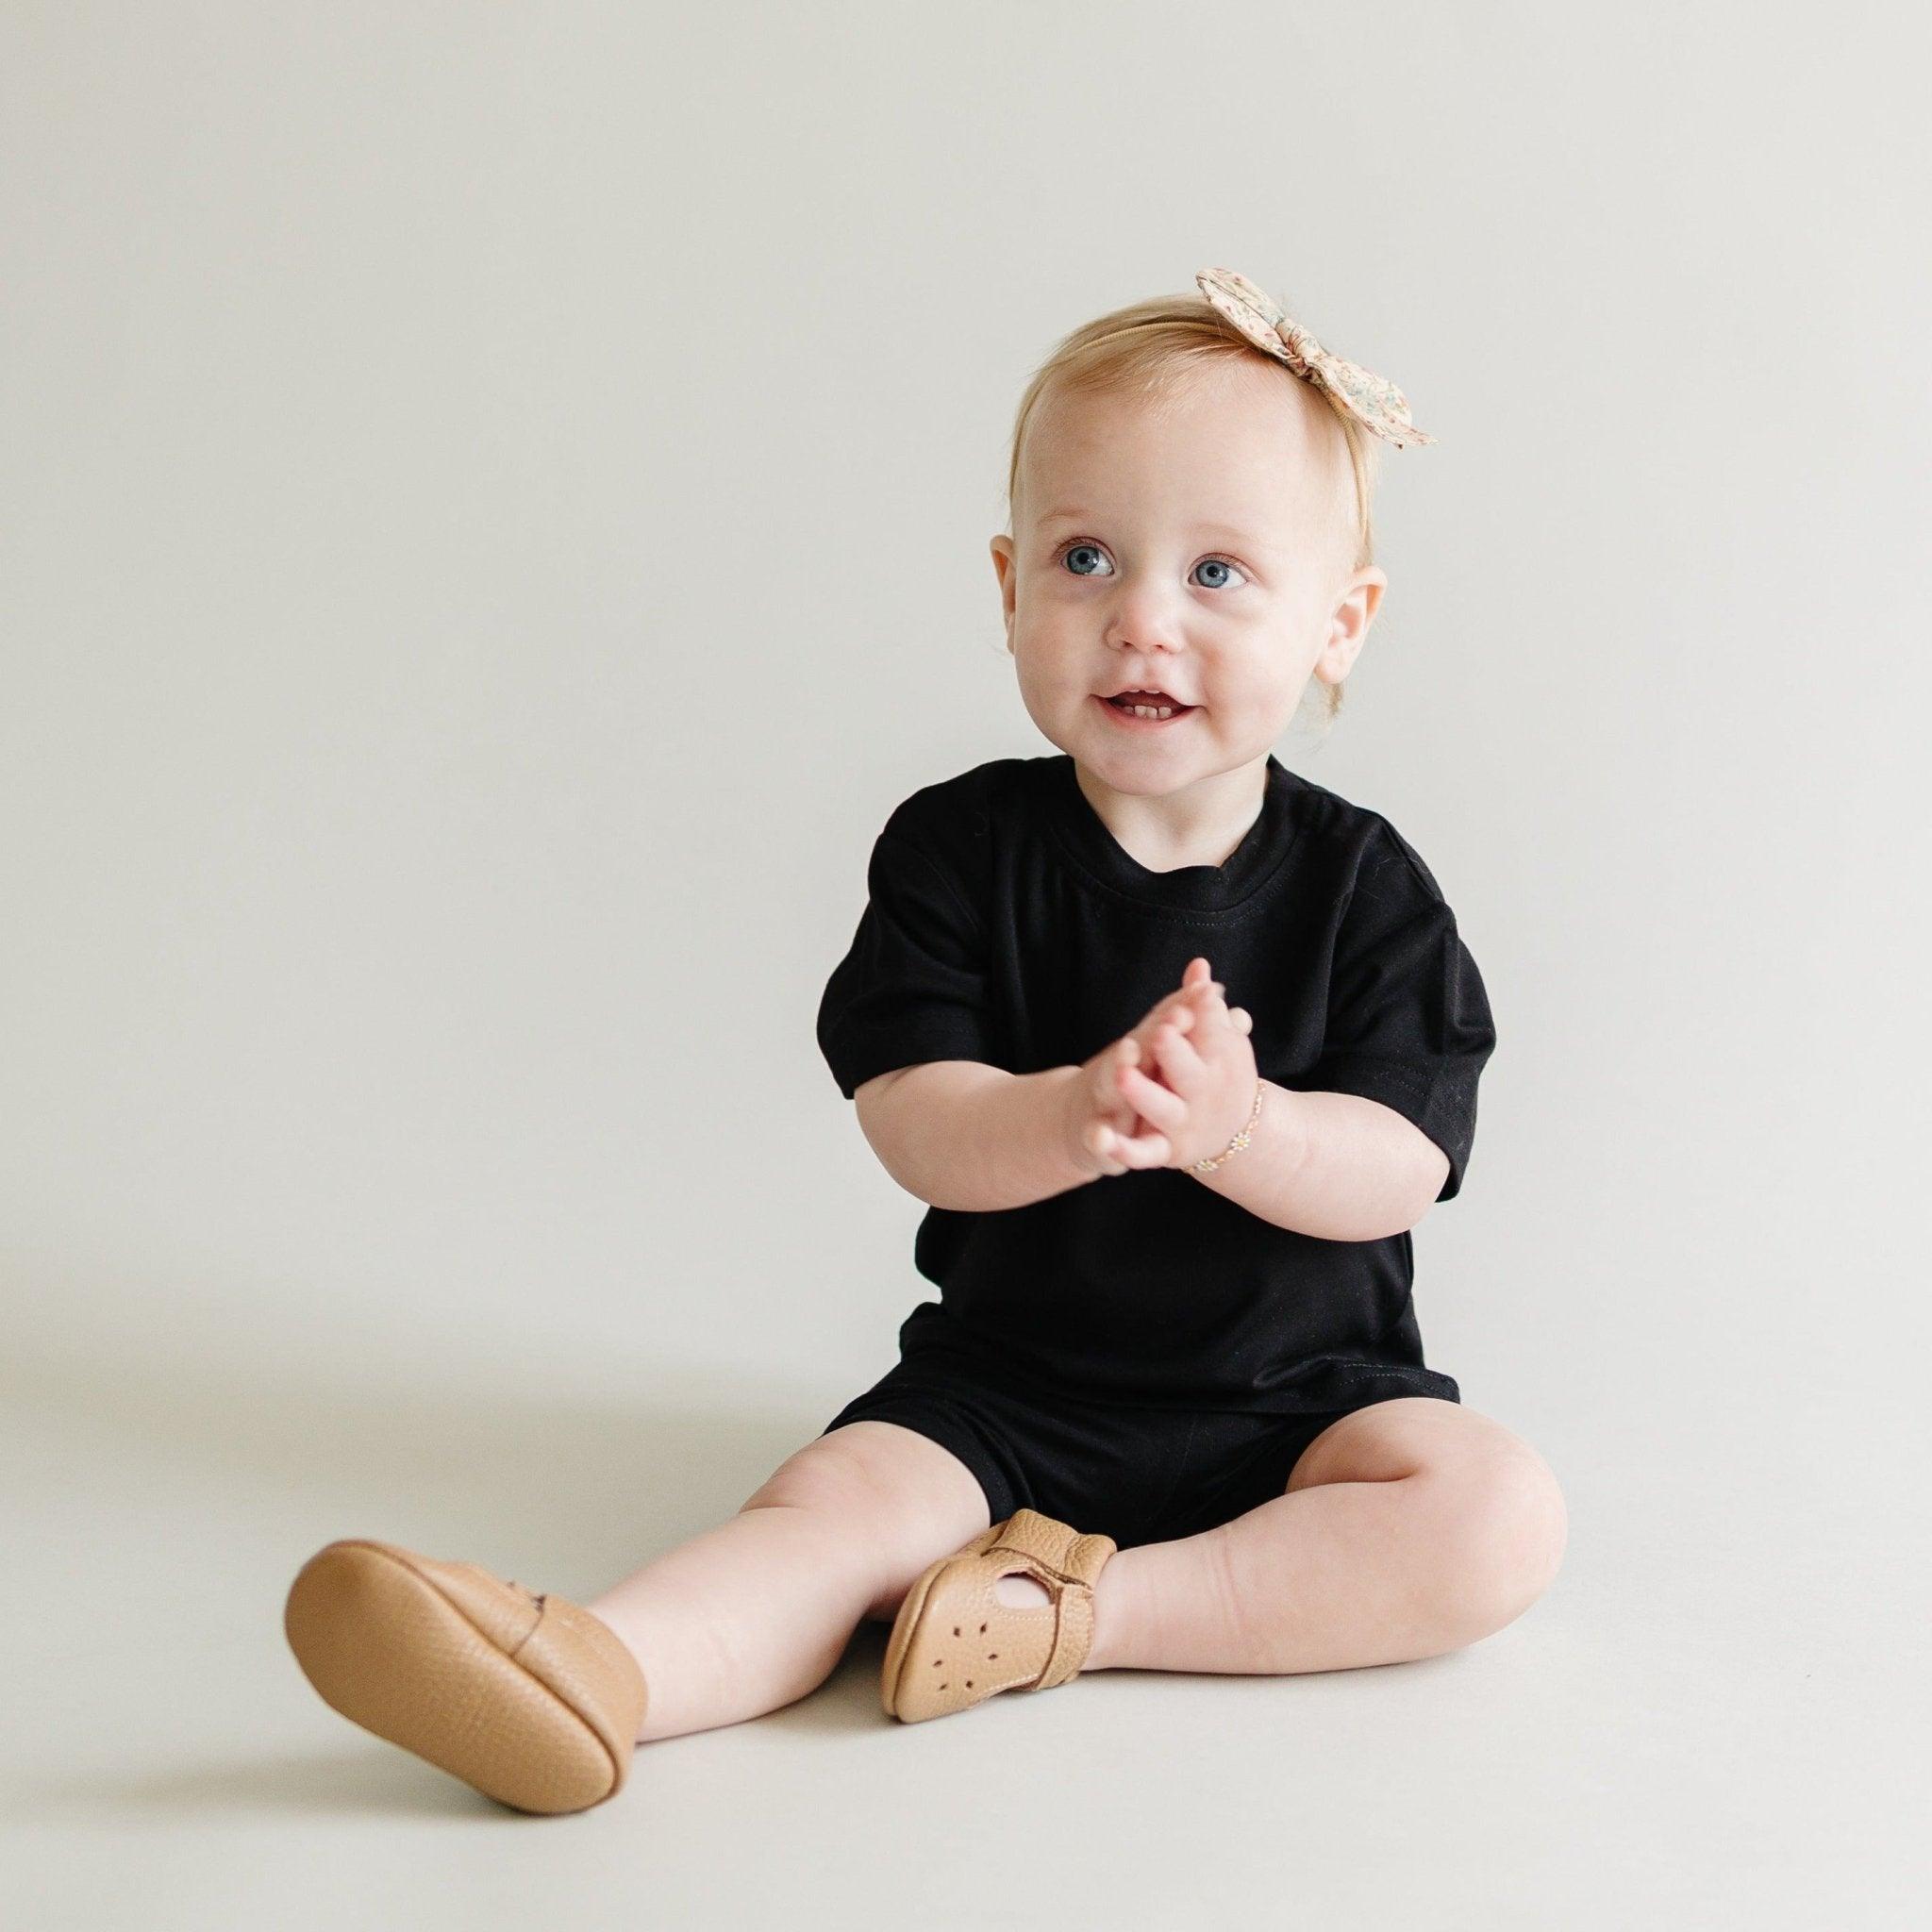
(1692, 1729)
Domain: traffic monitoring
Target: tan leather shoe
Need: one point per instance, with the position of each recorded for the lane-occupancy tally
(530, 1698)
(955, 1643)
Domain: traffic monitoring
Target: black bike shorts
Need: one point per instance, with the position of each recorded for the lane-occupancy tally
(1140, 1476)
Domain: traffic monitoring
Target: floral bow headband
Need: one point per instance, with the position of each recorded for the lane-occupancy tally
(1373, 400)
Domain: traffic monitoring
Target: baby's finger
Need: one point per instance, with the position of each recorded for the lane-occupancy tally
(1161, 1109)
(1180, 1013)
(1145, 1150)
(1242, 1019)
(1182, 995)
(1181, 1067)
(1182, 1022)
(1204, 998)
(1102, 1093)
(1112, 1105)
(1157, 1015)
(1184, 1010)
(1212, 1011)
(1105, 1084)
(1127, 1052)
(1103, 1143)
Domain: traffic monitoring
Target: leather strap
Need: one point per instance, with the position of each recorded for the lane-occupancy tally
(1066, 1564)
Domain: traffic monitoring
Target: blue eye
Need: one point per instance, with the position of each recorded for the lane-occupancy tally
(1080, 547)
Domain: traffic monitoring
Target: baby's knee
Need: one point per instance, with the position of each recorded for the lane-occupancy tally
(874, 1467)
(899, 1496)
(1502, 1527)
(833, 1473)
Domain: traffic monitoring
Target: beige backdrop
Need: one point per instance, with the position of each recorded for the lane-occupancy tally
(494, 507)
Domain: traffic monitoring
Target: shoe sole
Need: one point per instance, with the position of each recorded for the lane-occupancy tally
(384, 1646)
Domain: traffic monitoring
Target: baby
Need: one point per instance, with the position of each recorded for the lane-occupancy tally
(1177, 1047)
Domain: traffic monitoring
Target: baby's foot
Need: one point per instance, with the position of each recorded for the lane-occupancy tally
(1020, 1591)
(976, 1623)
(528, 1697)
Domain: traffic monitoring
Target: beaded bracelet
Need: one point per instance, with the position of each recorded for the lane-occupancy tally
(1239, 1141)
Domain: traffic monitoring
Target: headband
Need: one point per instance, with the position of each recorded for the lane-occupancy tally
(1373, 400)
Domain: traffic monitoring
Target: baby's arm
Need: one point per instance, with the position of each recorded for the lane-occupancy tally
(1335, 1165)
(963, 1134)
(975, 1138)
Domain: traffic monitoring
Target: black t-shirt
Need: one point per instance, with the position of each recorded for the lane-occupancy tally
(1006, 923)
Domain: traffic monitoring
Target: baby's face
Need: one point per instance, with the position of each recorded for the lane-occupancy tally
(1202, 546)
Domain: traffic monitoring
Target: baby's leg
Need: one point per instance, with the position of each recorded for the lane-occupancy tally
(757, 1611)
(1407, 1528)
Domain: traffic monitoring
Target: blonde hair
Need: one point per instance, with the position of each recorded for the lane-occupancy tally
(1143, 350)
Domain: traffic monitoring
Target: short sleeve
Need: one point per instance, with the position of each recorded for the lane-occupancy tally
(912, 987)
(1408, 1019)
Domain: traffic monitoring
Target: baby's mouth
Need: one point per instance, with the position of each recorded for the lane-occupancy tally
(1147, 706)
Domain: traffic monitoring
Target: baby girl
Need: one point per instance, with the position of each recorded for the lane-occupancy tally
(1177, 1046)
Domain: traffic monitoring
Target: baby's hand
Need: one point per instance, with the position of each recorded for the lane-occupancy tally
(1105, 1131)
(1197, 1088)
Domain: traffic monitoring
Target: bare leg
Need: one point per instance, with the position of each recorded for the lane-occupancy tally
(757, 1611)
(1408, 1528)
